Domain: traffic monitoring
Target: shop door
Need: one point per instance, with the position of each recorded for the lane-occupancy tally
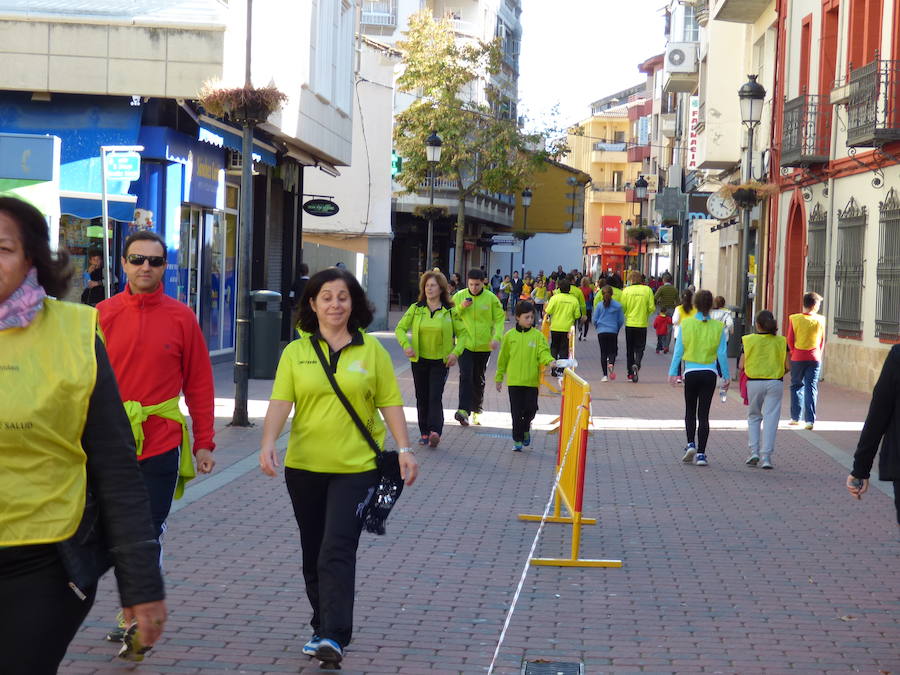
(189, 267)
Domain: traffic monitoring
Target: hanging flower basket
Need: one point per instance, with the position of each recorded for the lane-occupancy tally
(241, 104)
(747, 195)
(430, 212)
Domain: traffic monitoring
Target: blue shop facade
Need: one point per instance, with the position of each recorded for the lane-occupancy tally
(185, 193)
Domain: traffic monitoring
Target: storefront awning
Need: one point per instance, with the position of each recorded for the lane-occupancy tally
(88, 205)
(222, 135)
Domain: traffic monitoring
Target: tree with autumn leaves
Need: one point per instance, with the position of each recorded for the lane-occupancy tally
(458, 91)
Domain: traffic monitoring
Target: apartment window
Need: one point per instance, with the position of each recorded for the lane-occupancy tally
(332, 49)
(691, 31)
(887, 315)
(619, 136)
(865, 31)
(805, 47)
(850, 270)
(343, 59)
(815, 241)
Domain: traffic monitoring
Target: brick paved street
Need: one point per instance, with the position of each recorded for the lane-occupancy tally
(727, 569)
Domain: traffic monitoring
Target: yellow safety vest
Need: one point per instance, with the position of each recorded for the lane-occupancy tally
(764, 356)
(701, 339)
(47, 374)
(138, 414)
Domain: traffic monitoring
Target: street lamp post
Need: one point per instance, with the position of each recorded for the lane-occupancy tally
(526, 202)
(625, 264)
(640, 192)
(433, 155)
(751, 95)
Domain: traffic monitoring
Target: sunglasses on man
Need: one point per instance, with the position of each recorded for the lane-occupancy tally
(138, 260)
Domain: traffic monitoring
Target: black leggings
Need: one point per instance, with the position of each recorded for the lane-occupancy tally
(429, 377)
(699, 388)
(39, 613)
(609, 349)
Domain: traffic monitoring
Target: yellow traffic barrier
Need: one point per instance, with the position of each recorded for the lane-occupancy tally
(571, 462)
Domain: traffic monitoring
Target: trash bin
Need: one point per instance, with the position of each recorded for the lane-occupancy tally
(265, 334)
(734, 343)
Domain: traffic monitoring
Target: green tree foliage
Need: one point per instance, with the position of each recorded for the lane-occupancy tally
(458, 91)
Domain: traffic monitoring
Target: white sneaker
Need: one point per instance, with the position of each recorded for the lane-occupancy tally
(604, 379)
(808, 426)
(794, 423)
(689, 453)
(766, 463)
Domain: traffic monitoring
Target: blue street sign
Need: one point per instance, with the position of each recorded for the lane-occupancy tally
(123, 166)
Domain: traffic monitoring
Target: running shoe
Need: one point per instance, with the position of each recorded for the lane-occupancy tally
(517, 447)
(809, 426)
(476, 419)
(423, 439)
(310, 647)
(752, 460)
(634, 373)
(527, 440)
(329, 652)
(794, 423)
(701, 460)
(612, 372)
(462, 417)
(433, 439)
(117, 634)
(766, 463)
(689, 451)
(604, 379)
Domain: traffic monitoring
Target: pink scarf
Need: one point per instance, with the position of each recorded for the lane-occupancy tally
(26, 301)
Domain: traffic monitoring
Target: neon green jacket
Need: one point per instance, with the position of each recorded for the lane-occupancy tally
(522, 356)
(576, 293)
(483, 319)
(563, 311)
(432, 332)
(639, 304)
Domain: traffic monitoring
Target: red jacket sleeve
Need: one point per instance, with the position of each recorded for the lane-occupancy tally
(198, 386)
(790, 335)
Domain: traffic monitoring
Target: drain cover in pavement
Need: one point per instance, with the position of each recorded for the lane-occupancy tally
(490, 435)
(553, 668)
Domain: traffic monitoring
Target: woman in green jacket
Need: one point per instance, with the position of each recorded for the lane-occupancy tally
(436, 343)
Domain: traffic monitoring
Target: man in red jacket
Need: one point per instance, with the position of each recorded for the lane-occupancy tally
(157, 351)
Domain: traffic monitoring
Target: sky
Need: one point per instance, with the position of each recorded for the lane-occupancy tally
(574, 52)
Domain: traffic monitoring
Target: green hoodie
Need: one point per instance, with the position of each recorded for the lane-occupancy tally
(483, 319)
(638, 303)
(522, 356)
(432, 332)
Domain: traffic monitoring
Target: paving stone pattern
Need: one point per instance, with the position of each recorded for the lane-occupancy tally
(727, 569)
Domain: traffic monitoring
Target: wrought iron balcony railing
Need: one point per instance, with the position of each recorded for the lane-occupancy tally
(807, 131)
(873, 109)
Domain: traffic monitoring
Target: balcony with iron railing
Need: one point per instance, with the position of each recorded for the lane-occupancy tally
(807, 131)
(379, 13)
(607, 193)
(873, 108)
(637, 152)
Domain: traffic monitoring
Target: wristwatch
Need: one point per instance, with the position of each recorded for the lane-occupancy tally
(403, 450)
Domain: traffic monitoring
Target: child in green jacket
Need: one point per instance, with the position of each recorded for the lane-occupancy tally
(523, 354)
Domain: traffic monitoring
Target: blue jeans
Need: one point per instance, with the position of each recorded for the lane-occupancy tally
(804, 389)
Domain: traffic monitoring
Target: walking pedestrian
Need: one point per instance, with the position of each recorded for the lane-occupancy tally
(482, 315)
(721, 313)
(608, 321)
(765, 361)
(683, 311)
(666, 296)
(882, 427)
(662, 324)
(157, 351)
(524, 353)
(436, 344)
(587, 291)
(539, 299)
(806, 339)
(94, 290)
(330, 469)
(506, 290)
(517, 284)
(563, 311)
(638, 304)
(67, 463)
(496, 281)
(701, 345)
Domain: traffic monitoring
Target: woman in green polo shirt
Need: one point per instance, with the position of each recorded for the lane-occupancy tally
(436, 343)
(765, 361)
(329, 467)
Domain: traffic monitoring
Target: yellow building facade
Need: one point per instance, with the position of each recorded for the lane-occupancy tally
(599, 148)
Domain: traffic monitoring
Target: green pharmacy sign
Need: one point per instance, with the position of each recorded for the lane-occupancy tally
(321, 207)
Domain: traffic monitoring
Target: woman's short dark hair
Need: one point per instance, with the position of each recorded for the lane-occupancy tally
(703, 301)
(766, 320)
(53, 270)
(361, 310)
(145, 235)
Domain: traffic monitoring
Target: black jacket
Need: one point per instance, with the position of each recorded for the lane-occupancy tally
(116, 528)
(882, 424)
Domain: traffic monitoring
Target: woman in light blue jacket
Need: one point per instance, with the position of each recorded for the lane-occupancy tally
(608, 319)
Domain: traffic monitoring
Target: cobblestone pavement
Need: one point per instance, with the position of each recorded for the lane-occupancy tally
(727, 569)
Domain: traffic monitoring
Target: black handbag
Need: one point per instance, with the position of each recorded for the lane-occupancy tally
(377, 507)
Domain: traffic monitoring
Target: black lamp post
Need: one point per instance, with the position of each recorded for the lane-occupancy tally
(628, 225)
(640, 192)
(526, 202)
(752, 95)
(433, 155)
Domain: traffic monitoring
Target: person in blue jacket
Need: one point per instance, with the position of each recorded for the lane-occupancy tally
(608, 319)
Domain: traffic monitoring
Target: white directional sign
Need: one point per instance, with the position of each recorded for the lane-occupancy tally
(123, 166)
(506, 248)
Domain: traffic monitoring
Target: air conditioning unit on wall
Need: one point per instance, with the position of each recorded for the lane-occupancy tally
(681, 57)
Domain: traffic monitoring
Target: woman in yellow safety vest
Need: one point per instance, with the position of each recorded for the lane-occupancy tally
(702, 344)
(67, 463)
(340, 382)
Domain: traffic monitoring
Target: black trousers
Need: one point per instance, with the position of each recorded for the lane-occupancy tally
(609, 349)
(635, 343)
(39, 613)
(523, 404)
(582, 328)
(160, 475)
(471, 380)
(429, 377)
(559, 344)
(699, 388)
(326, 507)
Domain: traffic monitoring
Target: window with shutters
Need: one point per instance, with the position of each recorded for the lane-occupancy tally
(849, 273)
(887, 314)
(815, 258)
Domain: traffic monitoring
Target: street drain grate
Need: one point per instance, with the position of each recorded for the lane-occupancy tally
(553, 668)
(490, 435)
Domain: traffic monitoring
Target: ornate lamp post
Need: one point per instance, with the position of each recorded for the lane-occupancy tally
(752, 95)
(526, 202)
(433, 155)
(640, 192)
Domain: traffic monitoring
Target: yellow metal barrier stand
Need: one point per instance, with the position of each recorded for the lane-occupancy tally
(571, 463)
